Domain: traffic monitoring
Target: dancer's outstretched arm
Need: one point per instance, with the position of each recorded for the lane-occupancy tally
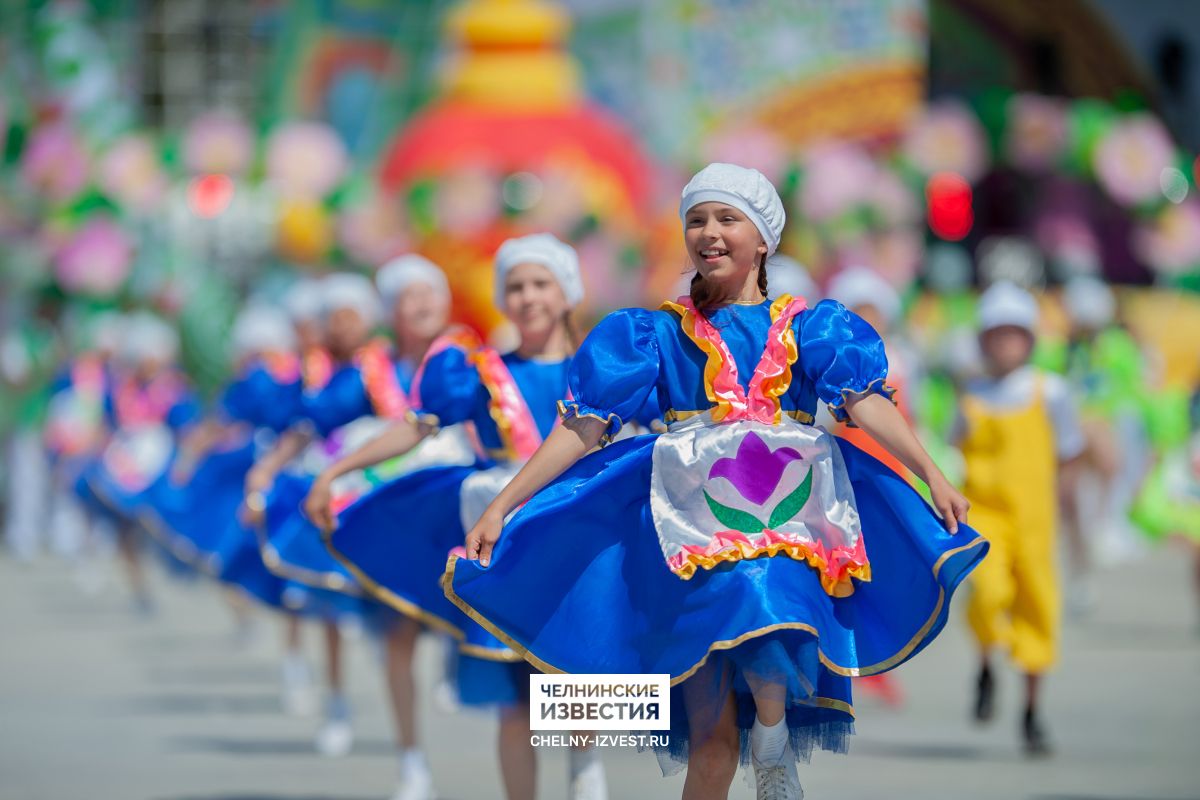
(563, 447)
(400, 437)
(877, 416)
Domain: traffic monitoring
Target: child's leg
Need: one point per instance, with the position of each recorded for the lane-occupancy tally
(518, 760)
(713, 737)
(131, 557)
(400, 645)
(333, 658)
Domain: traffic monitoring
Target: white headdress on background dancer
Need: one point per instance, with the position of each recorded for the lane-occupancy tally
(545, 249)
(350, 290)
(403, 271)
(260, 329)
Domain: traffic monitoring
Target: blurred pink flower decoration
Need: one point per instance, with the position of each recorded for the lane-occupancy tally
(947, 138)
(96, 259)
(894, 202)
(836, 178)
(1130, 159)
(55, 163)
(749, 147)
(218, 142)
(131, 174)
(305, 159)
(1171, 244)
(467, 201)
(372, 230)
(1037, 131)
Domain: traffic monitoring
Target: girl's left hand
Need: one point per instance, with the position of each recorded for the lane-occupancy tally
(950, 503)
(483, 537)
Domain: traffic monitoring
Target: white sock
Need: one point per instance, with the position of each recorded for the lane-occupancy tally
(767, 742)
(412, 761)
(295, 668)
(582, 759)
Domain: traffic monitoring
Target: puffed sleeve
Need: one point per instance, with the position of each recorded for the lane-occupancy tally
(185, 411)
(343, 400)
(841, 355)
(615, 370)
(447, 389)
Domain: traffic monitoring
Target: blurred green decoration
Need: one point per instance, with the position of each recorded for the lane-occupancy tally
(1088, 122)
(991, 106)
(204, 324)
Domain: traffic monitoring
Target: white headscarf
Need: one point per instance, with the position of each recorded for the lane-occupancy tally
(860, 286)
(402, 272)
(541, 248)
(1089, 302)
(747, 190)
(303, 300)
(1005, 303)
(353, 291)
(146, 336)
(788, 276)
(261, 329)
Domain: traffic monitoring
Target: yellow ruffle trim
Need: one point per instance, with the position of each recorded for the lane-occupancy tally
(740, 551)
(687, 321)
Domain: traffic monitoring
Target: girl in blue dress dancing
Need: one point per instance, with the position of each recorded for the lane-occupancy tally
(754, 558)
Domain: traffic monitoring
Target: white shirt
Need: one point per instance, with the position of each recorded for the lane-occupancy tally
(1016, 390)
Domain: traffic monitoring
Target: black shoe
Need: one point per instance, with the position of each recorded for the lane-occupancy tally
(1037, 744)
(985, 692)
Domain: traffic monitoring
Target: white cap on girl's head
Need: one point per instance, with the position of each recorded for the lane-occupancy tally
(1005, 303)
(303, 300)
(786, 275)
(146, 336)
(541, 248)
(352, 291)
(860, 286)
(1089, 302)
(403, 271)
(261, 329)
(747, 190)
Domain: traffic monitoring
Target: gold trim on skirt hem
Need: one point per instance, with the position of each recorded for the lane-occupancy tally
(729, 644)
(387, 596)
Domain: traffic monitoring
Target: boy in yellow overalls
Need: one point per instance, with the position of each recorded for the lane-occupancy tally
(1018, 425)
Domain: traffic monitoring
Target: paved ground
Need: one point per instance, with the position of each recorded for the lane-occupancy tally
(96, 704)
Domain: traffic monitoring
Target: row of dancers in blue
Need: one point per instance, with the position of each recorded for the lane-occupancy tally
(655, 499)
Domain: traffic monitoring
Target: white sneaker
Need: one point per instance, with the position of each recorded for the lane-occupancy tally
(415, 784)
(335, 738)
(589, 783)
(779, 782)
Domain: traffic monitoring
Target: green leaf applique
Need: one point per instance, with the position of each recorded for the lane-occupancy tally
(790, 506)
(732, 518)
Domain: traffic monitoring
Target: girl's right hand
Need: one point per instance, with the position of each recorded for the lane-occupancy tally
(318, 506)
(483, 536)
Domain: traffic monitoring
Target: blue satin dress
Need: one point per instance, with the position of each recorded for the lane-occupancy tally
(105, 492)
(579, 581)
(316, 584)
(398, 537)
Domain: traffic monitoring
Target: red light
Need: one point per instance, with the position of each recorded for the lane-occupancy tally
(948, 199)
(210, 195)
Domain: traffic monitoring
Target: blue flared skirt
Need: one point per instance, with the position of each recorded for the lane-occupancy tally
(395, 540)
(190, 519)
(578, 583)
(315, 583)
